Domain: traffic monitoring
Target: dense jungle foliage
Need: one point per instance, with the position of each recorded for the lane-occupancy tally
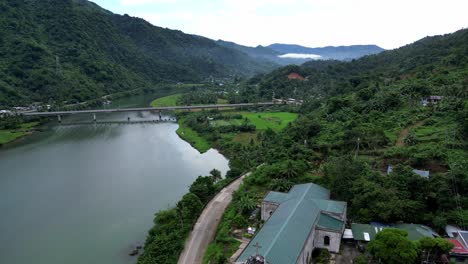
(358, 118)
(73, 50)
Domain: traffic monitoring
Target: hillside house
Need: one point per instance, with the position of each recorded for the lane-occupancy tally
(296, 223)
(431, 100)
(459, 253)
(365, 232)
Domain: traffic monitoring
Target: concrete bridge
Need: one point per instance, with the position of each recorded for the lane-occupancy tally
(129, 122)
(59, 114)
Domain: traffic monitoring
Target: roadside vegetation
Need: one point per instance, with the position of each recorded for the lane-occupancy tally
(12, 128)
(165, 241)
(358, 118)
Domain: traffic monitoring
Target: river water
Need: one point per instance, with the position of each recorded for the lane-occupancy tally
(80, 194)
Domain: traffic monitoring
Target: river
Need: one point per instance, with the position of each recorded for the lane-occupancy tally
(83, 194)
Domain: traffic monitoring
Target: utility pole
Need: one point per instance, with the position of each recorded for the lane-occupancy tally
(357, 149)
(58, 68)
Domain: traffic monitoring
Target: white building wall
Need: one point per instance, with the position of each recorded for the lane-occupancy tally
(268, 208)
(306, 253)
(335, 240)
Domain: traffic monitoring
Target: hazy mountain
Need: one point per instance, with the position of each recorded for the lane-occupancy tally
(435, 65)
(284, 54)
(74, 50)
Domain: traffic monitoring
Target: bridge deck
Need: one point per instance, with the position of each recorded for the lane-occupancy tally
(119, 122)
(168, 108)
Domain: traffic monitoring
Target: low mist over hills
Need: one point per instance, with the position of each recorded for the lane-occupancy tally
(329, 52)
(285, 54)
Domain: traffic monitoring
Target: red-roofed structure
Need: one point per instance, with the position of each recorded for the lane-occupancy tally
(458, 247)
(295, 76)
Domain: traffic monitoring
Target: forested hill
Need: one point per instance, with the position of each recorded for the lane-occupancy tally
(431, 66)
(74, 50)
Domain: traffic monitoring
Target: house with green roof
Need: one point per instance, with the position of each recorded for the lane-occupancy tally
(296, 223)
(365, 232)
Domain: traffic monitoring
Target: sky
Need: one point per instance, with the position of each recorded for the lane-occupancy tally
(312, 23)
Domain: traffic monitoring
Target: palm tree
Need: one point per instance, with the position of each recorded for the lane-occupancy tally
(247, 204)
(290, 171)
(215, 174)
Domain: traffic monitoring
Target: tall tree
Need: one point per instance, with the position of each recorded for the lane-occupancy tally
(391, 246)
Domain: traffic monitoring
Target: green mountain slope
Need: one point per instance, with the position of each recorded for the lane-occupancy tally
(74, 50)
(433, 65)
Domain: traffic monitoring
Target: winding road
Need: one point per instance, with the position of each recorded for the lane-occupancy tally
(205, 228)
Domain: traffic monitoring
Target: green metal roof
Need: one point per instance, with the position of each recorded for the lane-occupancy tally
(276, 197)
(327, 222)
(331, 206)
(364, 232)
(283, 236)
(416, 232)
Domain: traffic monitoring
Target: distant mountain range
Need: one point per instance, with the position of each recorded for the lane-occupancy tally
(285, 54)
(329, 52)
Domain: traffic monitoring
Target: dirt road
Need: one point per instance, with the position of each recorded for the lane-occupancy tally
(205, 228)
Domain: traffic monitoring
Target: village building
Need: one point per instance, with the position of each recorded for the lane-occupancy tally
(431, 100)
(296, 223)
(366, 232)
(422, 173)
(459, 252)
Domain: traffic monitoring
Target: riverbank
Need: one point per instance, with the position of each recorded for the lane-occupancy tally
(8, 136)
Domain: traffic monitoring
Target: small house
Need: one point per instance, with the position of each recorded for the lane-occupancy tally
(431, 100)
(422, 173)
(365, 232)
(459, 252)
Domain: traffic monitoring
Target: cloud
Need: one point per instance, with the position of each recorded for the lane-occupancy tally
(300, 56)
(144, 2)
(312, 23)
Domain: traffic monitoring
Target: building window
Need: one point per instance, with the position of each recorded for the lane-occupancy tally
(326, 240)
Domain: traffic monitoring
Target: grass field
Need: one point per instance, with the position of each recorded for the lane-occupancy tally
(7, 136)
(276, 121)
(170, 100)
(192, 137)
(262, 121)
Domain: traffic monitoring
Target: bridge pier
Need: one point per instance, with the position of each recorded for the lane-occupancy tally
(94, 117)
(59, 118)
(160, 116)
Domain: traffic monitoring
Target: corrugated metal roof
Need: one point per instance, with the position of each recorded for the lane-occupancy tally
(464, 236)
(364, 232)
(310, 190)
(331, 206)
(327, 222)
(283, 236)
(458, 247)
(416, 232)
(276, 197)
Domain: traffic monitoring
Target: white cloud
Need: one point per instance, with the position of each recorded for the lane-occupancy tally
(312, 23)
(144, 2)
(300, 56)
